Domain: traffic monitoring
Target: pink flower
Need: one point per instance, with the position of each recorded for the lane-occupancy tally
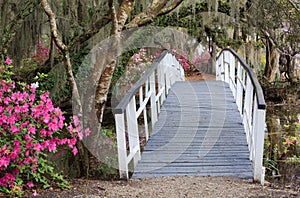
(52, 146)
(70, 128)
(31, 130)
(80, 135)
(78, 128)
(296, 142)
(18, 109)
(34, 160)
(75, 151)
(49, 106)
(46, 118)
(7, 179)
(3, 150)
(14, 155)
(62, 141)
(72, 142)
(8, 61)
(45, 144)
(43, 132)
(16, 171)
(14, 129)
(27, 160)
(35, 193)
(28, 138)
(61, 124)
(87, 132)
(53, 126)
(76, 121)
(4, 161)
(288, 142)
(24, 124)
(28, 145)
(30, 184)
(20, 164)
(37, 147)
(11, 120)
(31, 97)
(7, 100)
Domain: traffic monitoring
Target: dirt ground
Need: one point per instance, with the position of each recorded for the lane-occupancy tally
(171, 187)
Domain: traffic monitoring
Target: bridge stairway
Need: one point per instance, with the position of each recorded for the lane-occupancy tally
(199, 133)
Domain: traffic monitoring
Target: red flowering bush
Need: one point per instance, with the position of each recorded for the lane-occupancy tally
(42, 53)
(30, 127)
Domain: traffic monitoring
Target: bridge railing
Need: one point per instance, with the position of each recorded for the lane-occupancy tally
(231, 68)
(148, 94)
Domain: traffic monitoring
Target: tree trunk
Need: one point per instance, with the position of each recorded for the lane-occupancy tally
(290, 69)
(272, 62)
(65, 51)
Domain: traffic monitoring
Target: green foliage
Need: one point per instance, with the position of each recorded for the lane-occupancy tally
(271, 165)
(121, 66)
(187, 17)
(286, 150)
(108, 132)
(106, 172)
(291, 142)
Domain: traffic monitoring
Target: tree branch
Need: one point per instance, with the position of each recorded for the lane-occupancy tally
(170, 8)
(294, 5)
(53, 26)
(94, 29)
(148, 15)
(63, 48)
(124, 12)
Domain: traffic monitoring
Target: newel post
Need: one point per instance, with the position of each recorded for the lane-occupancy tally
(122, 151)
(259, 135)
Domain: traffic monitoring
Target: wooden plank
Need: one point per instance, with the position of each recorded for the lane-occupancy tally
(199, 132)
(194, 164)
(194, 168)
(243, 175)
(196, 160)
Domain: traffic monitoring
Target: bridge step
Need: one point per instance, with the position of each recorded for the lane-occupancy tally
(199, 132)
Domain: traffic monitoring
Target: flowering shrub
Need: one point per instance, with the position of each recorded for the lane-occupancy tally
(292, 141)
(40, 56)
(30, 127)
(135, 69)
(189, 60)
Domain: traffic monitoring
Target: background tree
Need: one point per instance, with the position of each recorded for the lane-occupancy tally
(277, 23)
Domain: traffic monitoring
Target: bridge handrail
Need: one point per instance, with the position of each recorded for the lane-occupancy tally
(260, 96)
(151, 89)
(231, 68)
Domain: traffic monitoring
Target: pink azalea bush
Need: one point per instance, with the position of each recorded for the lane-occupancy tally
(30, 127)
(293, 141)
(42, 53)
(135, 69)
(187, 59)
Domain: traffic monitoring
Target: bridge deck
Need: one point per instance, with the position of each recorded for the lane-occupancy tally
(199, 132)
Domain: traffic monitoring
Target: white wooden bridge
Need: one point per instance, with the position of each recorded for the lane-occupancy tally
(200, 128)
